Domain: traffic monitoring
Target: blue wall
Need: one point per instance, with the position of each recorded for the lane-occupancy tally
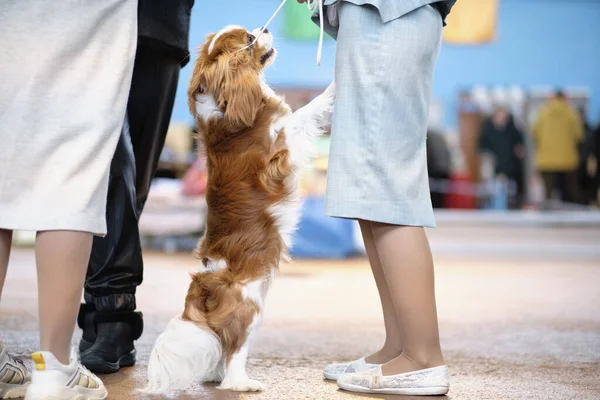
(540, 42)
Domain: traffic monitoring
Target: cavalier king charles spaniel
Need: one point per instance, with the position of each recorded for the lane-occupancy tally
(255, 149)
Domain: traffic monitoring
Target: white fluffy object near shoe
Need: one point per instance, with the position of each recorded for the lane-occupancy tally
(14, 376)
(333, 371)
(52, 380)
(425, 382)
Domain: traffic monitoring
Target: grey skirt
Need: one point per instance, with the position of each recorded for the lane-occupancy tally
(384, 75)
(66, 71)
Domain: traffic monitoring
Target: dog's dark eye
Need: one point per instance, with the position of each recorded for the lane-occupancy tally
(250, 40)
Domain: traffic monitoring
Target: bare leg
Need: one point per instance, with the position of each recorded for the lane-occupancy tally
(408, 267)
(392, 346)
(62, 259)
(5, 243)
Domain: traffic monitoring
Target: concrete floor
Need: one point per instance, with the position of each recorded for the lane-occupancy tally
(512, 326)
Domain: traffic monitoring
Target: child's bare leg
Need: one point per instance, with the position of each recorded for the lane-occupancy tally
(62, 259)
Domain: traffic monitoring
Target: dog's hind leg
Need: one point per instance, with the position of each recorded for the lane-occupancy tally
(238, 334)
(236, 378)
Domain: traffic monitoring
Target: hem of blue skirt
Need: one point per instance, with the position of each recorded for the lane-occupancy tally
(384, 212)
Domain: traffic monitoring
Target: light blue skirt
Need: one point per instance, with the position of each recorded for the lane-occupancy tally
(384, 75)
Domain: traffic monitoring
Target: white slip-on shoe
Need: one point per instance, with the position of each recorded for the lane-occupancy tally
(333, 371)
(14, 375)
(52, 380)
(425, 382)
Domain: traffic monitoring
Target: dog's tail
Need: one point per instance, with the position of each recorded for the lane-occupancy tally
(186, 352)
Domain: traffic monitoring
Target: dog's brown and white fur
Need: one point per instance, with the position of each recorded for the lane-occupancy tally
(255, 149)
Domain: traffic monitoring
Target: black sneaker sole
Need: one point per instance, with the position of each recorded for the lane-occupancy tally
(99, 366)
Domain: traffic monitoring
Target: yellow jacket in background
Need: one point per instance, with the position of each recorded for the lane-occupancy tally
(557, 133)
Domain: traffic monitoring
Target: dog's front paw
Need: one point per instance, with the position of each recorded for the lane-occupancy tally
(246, 385)
(330, 90)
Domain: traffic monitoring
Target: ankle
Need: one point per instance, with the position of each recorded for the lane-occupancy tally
(129, 325)
(115, 337)
(424, 359)
(387, 353)
(62, 356)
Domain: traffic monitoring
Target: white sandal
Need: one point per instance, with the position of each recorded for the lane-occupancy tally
(425, 382)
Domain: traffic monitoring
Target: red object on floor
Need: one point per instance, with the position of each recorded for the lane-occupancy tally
(458, 198)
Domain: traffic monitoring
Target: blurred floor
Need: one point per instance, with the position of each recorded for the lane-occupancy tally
(518, 307)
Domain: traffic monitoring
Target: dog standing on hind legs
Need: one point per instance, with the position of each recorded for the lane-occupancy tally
(255, 151)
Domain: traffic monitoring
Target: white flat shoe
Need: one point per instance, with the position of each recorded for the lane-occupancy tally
(425, 382)
(333, 371)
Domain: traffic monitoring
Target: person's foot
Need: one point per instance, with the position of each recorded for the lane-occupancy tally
(403, 364)
(107, 343)
(424, 382)
(333, 371)
(386, 354)
(14, 375)
(53, 380)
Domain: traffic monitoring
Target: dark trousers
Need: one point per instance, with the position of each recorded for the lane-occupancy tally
(518, 178)
(565, 181)
(116, 265)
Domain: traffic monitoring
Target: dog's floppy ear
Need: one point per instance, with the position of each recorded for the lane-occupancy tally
(198, 84)
(198, 81)
(240, 97)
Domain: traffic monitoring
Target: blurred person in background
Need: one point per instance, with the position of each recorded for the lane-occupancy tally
(108, 318)
(66, 73)
(439, 167)
(195, 179)
(500, 137)
(596, 184)
(557, 132)
(586, 150)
